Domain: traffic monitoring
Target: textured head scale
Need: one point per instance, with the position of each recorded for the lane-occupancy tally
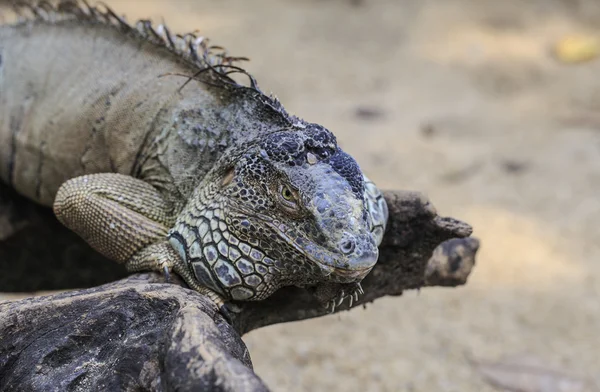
(326, 217)
(292, 210)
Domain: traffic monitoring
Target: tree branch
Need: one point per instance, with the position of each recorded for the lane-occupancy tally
(141, 333)
(405, 262)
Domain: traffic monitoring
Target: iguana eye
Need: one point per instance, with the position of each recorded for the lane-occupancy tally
(287, 193)
(288, 197)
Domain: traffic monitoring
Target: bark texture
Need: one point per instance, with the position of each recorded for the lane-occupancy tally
(140, 333)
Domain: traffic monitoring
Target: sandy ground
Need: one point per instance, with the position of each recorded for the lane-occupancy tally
(462, 100)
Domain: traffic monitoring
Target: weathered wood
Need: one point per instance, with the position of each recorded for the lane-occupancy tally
(128, 336)
(140, 333)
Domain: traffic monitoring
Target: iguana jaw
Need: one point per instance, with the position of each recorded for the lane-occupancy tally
(344, 275)
(328, 262)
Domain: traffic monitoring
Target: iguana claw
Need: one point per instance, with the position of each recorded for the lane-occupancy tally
(224, 310)
(166, 273)
(340, 298)
(351, 294)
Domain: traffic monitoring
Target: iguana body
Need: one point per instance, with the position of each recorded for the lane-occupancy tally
(199, 174)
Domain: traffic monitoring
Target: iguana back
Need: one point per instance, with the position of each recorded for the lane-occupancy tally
(75, 99)
(88, 95)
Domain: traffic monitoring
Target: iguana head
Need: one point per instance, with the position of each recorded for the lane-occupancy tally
(292, 210)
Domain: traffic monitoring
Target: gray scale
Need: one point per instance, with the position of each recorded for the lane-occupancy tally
(378, 234)
(214, 224)
(260, 288)
(178, 246)
(278, 264)
(217, 236)
(234, 241)
(211, 255)
(371, 189)
(223, 248)
(204, 276)
(202, 229)
(377, 208)
(245, 266)
(268, 261)
(234, 254)
(256, 255)
(188, 235)
(261, 269)
(384, 210)
(245, 248)
(375, 212)
(195, 250)
(226, 273)
(253, 280)
(241, 293)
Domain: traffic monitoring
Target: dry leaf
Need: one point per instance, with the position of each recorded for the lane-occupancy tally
(527, 374)
(577, 49)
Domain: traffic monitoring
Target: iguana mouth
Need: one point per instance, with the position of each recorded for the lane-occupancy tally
(348, 275)
(324, 261)
(328, 264)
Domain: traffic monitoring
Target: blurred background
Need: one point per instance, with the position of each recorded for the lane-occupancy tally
(489, 107)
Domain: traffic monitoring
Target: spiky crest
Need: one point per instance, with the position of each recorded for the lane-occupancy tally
(213, 65)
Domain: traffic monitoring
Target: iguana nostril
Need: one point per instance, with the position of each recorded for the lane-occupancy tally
(347, 246)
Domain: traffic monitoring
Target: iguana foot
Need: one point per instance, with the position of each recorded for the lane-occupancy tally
(332, 295)
(158, 257)
(161, 257)
(352, 293)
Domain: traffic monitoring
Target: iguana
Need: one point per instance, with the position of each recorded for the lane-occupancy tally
(146, 147)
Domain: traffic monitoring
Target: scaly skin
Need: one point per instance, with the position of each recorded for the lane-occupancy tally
(150, 152)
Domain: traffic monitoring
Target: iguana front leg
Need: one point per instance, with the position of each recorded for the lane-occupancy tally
(117, 215)
(126, 220)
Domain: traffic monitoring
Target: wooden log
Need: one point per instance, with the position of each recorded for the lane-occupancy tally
(140, 333)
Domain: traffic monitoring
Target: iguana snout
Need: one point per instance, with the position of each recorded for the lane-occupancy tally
(336, 234)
